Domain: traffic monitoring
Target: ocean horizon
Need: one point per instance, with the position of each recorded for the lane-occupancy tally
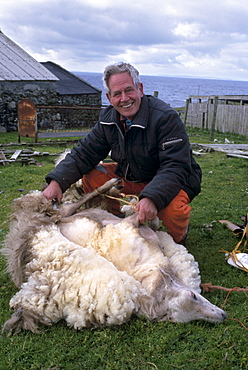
(175, 90)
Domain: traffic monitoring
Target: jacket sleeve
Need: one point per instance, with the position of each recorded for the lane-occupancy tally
(174, 154)
(82, 159)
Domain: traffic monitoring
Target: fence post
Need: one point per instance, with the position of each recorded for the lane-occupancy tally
(186, 112)
(212, 129)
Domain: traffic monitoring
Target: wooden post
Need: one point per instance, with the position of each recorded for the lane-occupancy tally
(215, 102)
(186, 112)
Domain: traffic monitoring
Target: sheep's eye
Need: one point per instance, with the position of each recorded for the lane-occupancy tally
(194, 297)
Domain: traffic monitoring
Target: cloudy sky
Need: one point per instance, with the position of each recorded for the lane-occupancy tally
(185, 38)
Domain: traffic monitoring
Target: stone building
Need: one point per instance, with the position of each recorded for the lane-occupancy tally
(51, 88)
(72, 91)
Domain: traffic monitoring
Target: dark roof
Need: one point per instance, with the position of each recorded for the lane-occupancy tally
(68, 83)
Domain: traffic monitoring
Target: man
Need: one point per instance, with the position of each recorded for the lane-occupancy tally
(148, 141)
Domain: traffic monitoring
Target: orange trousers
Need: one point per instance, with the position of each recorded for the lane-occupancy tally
(175, 217)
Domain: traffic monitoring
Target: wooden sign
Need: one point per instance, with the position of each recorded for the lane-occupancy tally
(27, 119)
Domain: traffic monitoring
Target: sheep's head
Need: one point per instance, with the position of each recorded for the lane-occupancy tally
(178, 303)
(188, 305)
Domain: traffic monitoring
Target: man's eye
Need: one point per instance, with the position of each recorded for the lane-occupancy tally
(116, 94)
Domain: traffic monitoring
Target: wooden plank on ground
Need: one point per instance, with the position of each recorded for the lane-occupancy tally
(3, 158)
(199, 154)
(16, 154)
(239, 152)
(236, 155)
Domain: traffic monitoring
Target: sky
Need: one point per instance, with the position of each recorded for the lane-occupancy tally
(174, 38)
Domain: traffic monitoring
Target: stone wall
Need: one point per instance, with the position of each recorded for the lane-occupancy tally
(43, 94)
(65, 117)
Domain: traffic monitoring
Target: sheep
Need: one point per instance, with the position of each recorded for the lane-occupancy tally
(92, 268)
(172, 280)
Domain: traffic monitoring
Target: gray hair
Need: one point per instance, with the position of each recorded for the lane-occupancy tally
(120, 67)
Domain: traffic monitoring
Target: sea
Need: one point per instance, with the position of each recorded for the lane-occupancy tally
(175, 90)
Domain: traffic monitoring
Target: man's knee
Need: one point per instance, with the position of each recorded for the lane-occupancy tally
(175, 217)
(98, 176)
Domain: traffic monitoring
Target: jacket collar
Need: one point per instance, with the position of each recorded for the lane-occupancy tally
(141, 118)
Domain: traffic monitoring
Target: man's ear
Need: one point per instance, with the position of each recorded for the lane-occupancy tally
(108, 97)
(141, 89)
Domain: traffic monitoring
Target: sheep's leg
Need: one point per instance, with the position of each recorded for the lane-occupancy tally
(133, 219)
(23, 319)
(69, 209)
(145, 231)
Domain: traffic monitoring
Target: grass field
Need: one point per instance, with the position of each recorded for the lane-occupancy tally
(140, 344)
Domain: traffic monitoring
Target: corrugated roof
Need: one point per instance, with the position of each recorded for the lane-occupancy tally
(69, 83)
(16, 64)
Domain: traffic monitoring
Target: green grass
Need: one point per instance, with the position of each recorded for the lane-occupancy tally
(140, 344)
(197, 135)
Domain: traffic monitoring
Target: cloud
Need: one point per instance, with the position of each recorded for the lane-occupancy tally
(172, 37)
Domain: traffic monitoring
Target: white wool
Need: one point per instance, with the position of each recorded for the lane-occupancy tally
(119, 243)
(72, 194)
(80, 230)
(123, 245)
(181, 262)
(71, 282)
(62, 156)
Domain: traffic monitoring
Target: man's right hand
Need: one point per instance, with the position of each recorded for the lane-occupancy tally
(53, 191)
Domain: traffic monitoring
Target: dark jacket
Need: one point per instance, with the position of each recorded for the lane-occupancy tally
(155, 150)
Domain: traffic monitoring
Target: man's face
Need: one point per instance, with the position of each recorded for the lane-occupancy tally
(123, 94)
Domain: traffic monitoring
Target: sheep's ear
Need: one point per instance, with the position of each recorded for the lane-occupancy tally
(133, 219)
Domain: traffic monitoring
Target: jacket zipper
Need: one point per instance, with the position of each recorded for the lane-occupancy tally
(122, 136)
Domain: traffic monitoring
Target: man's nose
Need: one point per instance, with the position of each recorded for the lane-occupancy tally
(124, 96)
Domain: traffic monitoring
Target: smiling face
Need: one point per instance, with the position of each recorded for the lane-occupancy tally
(124, 95)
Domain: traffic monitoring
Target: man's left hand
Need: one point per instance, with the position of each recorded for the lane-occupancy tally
(147, 210)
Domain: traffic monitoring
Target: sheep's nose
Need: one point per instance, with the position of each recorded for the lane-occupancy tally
(224, 315)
